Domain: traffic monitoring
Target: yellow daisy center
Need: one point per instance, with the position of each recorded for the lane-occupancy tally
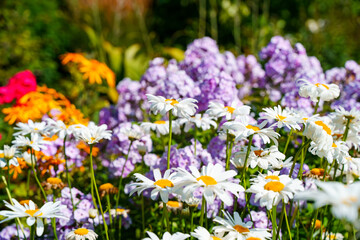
(273, 177)
(321, 84)
(120, 210)
(305, 119)
(172, 101)
(207, 180)
(258, 153)
(160, 122)
(241, 229)
(215, 238)
(317, 224)
(32, 212)
(92, 139)
(280, 117)
(163, 183)
(317, 171)
(253, 238)
(106, 186)
(324, 126)
(2, 155)
(81, 231)
(36, 129)
(334, 145)
(174, 204)
(54, 180)
(253, 128)
(274, 186)
(230, 109)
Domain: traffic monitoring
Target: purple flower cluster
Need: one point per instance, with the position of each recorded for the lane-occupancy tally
(283, 66)
(348, 79)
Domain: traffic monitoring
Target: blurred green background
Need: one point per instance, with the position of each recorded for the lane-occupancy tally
(125, 34)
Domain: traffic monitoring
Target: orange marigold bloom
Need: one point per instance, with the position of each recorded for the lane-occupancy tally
(15, 171)
(94, 71)
(34, 105)
(72, 57)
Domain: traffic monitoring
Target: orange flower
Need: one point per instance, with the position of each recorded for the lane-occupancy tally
(15, 171)
(34, 105)
(83, 146)
(94, 71)
(72, 57)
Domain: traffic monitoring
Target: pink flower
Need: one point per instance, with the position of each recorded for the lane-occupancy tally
(23, 82)
(7, 94)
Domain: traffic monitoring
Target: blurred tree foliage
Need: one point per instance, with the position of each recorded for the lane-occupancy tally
(125, 34)
(32, 36)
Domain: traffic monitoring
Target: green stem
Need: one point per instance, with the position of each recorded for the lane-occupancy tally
(97, 192)
(11, 202)
(191, 219)
(286, 220)
(346, 129)
(170, 139)
(142, 216)
(109, 207)
(288, 141)
(296, 157)
(313, 224)
(35, 175)
(228, 155)
(28, 183)
(247, 157)
(273, 221)
(67, 174)
(202, 211)
(195, 135)
(317, 106)
(202, 18)
(32, 232)
(122, 173)
(166, 214)
(120, 225)
(281, 220)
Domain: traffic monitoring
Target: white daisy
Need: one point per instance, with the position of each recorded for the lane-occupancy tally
(81, 234)
(315, 91)
(30, 211)
(36, 142)
(338, 151)
(92, 134)
(59, 127)
(120, 212)
(167, 236)
(236, 229)
(243, 129)
(8, 155)
(272, 190)
(264, 158)
(284, 164)
(320, 131)
(344, 199)
(217, 110)
(202, 122)
(184, 108)
(332, 236)
(161, 127)
(340, 118)
(351, 166)
(202, 233)
(30, 127)
(163, 185)
(133, 132)
(213, 179)
(283, 117)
